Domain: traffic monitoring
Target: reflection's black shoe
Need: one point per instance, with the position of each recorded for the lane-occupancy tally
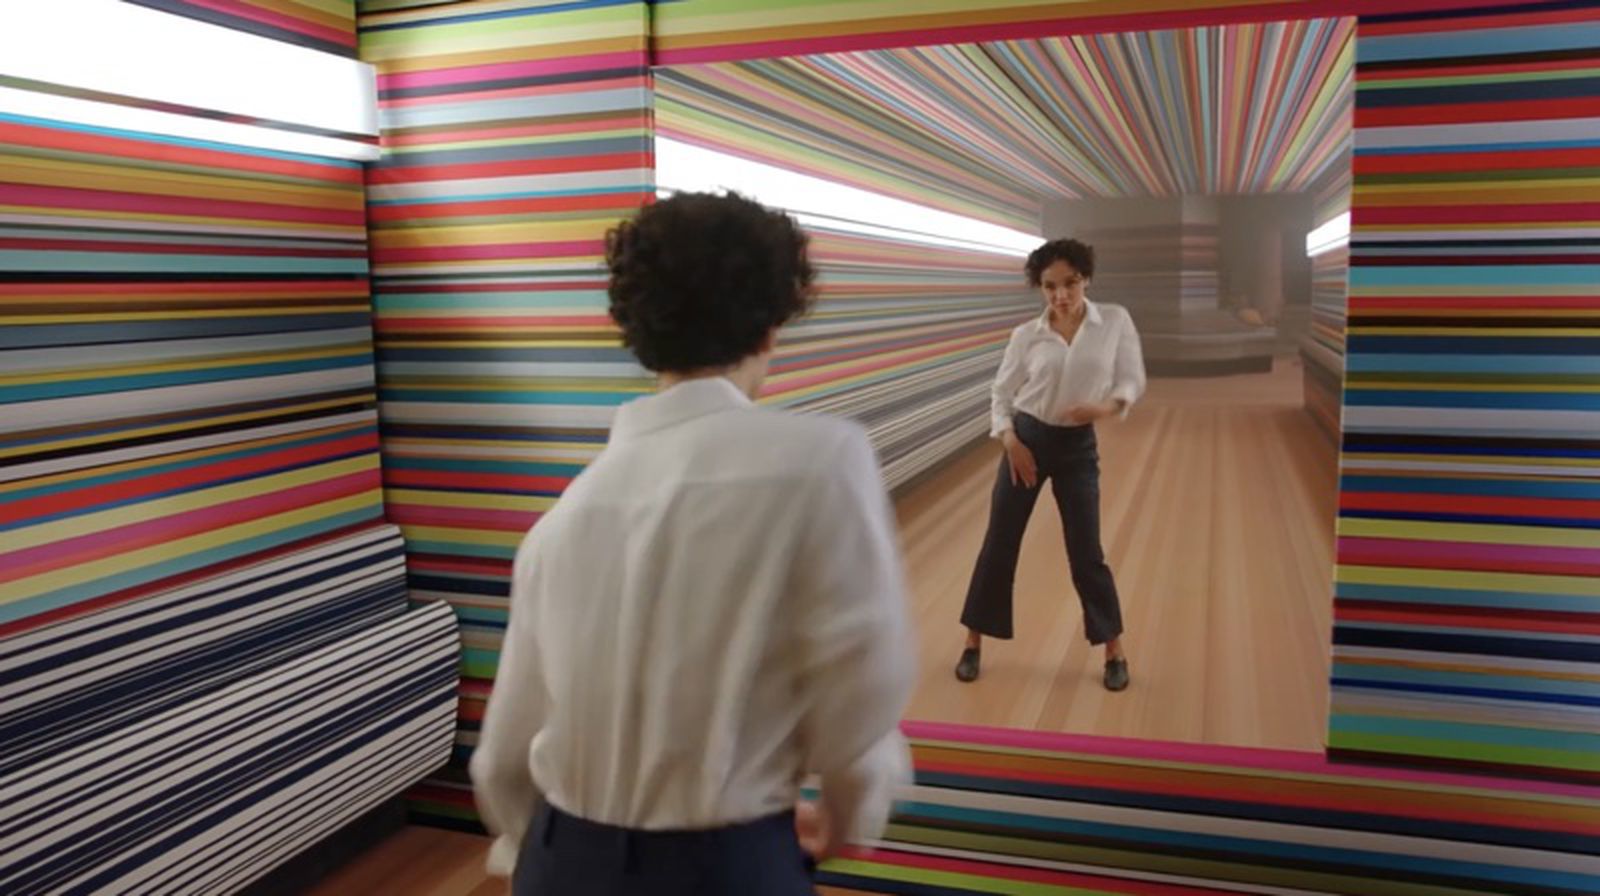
(1116, 674)
(967, 669)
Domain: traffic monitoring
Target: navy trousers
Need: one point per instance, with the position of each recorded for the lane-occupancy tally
(563, 855)
(1069, 458)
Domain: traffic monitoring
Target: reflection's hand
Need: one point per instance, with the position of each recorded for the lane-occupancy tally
(1020, 460)
(815, 833)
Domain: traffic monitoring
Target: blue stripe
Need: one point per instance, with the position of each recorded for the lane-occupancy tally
(146, 137)
(132, 382)
(1529, 400)
(1477, 42)
(1516, 600)
(1501, 488)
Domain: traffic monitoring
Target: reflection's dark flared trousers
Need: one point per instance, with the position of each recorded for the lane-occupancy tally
(1067, 456)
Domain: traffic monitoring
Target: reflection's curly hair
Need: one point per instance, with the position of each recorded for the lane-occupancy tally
(699, 279)
(1074, 252)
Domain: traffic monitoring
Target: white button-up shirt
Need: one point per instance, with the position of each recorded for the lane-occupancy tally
(712, 611)
(1044, 376)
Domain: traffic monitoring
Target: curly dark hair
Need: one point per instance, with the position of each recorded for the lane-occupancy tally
(698, 280)
(1074, 252)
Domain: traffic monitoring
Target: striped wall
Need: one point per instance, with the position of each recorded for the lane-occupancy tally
(1467, 625)
(327, 25)
(186, 369)
(905, 339)
(1003, 811)
(514, 135)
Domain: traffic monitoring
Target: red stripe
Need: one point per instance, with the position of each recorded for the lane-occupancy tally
(1425, 69)
(499, 286)
(488, 252)
(1024, 874)
(170, 249)
(53, 198)
(1517, 303)
(1555, 213)
(1484, 162)
(1508, 623)
(181, 524)
(1507, 113)
(476, 566)
(227, 162)
(622, 202)
(513, 168)
(1475, 505)
(128, 595)
(498, 323)
(211, 473)
(266, 289)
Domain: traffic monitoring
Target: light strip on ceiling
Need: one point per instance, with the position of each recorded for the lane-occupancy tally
(1330, 235)
(681, 167)
(142, 69)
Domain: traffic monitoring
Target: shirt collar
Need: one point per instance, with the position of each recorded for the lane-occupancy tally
(677, 404)
(1091, 315)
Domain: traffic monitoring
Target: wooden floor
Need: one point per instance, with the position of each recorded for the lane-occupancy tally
(1218, 501)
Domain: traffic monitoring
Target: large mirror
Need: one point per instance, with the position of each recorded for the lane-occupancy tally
(1209, 170)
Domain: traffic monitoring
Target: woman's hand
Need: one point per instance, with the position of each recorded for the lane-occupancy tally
(1020, 460)
(1089, 413)
(815, 831)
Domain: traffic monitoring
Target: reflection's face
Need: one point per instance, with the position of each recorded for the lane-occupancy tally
(1063, 288)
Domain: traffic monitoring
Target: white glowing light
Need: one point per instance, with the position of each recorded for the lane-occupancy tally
(1332, 234)
(813, 201)
(132, 51)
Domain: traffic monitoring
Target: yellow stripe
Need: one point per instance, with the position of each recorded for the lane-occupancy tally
(81, 573)
(1470, 533)
(186, 315)
(148, 431)
(1578, 586)
(57, 173)
(483, 537)
(61, 530)
(174, 366)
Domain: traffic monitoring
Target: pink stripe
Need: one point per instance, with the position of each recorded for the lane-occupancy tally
(106, 200)
(1032, 875)
(510, 70)
(1228, 760)
(1406, 552)
(122, 539)
(278, 20)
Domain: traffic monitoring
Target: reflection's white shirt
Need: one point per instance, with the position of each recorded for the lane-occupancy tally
(714, 610)
(1044, 376)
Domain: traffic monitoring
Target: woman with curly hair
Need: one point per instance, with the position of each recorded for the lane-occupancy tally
(713, 611)
(1077, 363)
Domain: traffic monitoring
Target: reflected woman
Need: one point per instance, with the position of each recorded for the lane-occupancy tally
(1078, 362)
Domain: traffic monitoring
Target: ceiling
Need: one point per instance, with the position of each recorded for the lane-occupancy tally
(995, 129)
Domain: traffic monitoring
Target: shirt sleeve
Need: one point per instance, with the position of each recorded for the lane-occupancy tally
(1007, 380)
(502, 779)
(857, 664)
(1127, 370)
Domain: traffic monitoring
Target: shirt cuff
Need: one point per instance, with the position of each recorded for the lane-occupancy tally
(502, 857)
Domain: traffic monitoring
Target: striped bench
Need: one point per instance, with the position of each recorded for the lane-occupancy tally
(194, 739)
(1001, 811)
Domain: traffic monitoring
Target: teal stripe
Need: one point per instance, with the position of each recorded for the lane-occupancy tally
(1437, 678)
(1464, 733)
(510, 396)
(588, 300)
(512, 467)
(1524, 276)
(112, 385)
(452, 548)
(1518, 600)
(65, 597)
(131, 262)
